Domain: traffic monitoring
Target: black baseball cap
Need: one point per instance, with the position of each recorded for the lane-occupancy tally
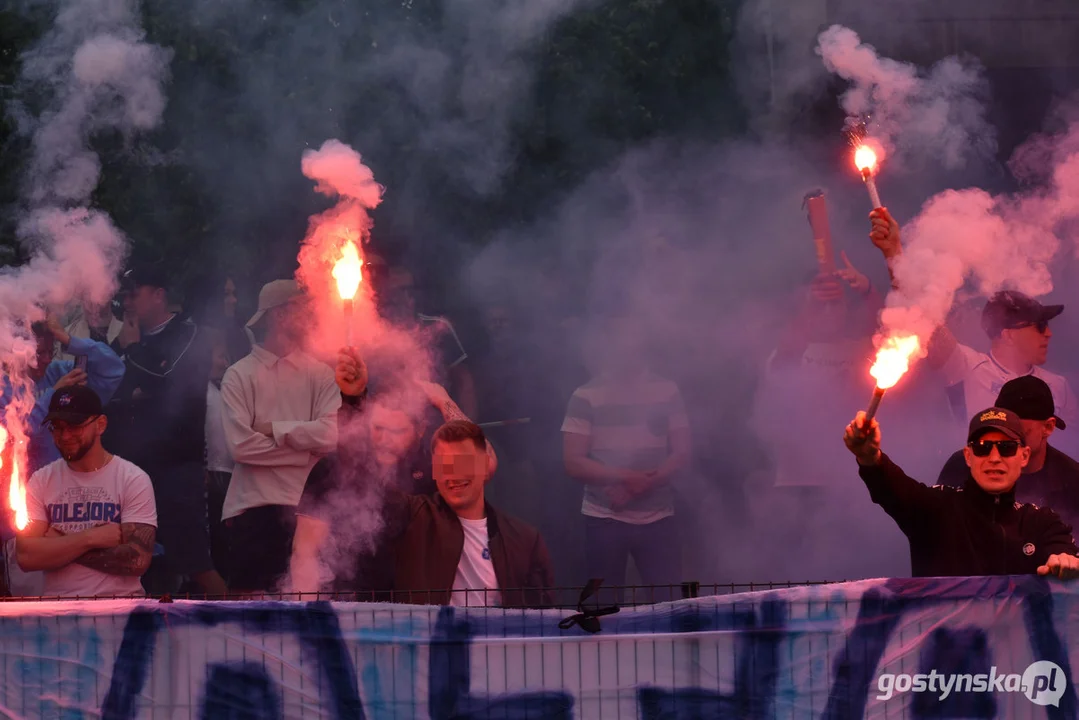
(996, 418)
(1029, 398)
(75, 404)
(1010, 309)
(145, 275)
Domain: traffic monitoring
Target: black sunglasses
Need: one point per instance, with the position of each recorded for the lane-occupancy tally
(1041, 326)
(1006, 448)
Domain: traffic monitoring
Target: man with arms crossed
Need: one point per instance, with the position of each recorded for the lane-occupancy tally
(92, 515)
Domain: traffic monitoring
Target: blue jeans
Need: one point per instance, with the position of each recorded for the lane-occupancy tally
(656, 549)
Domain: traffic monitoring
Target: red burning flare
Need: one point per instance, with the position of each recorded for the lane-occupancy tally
(892, 363)
(16, 487)
(348, 271)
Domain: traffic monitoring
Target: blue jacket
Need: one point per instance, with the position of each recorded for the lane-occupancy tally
(104, 371)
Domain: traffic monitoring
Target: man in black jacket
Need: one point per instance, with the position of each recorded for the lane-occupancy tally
(978, 529)
(1050, 478)
(157, 420)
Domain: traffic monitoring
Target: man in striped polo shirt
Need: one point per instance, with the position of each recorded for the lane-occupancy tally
(625, 436)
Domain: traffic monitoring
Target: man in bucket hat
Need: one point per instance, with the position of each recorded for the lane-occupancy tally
(280, 418)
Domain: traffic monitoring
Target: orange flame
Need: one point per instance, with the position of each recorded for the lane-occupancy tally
(865, 158)
(348, 271)
(16, 488)
(893, 360)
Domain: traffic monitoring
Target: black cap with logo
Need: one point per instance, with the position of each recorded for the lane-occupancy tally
(75, 404)
(1008, 310)
(1029, 398)
(998, 419)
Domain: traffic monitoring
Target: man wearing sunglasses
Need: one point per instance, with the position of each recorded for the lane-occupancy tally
(978, 529)
(1018, 331)
(93, 519)
(1050, 478)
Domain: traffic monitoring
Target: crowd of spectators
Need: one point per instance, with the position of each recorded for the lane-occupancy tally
(175, 446)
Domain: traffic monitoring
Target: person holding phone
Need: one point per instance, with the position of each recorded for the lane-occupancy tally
(978, 529)
(94, 365)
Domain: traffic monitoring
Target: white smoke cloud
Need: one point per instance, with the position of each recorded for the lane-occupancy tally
(991, 242)
(939, 114)
(92, 72)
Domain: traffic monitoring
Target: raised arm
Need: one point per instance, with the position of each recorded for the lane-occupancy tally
(131, 557)
(905, 499)
(441, 399)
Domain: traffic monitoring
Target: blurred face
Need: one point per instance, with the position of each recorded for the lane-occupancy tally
(147, 304)
(97, 316)
(497, 322)
(75, 440)
(829, 319)
(43, 352)
(230, 299)
(996, 467)
(1031, 342)
(392, 435)
(219, 359)
(399, 294)
(291, 321)
(460, 470)
(1037, 432)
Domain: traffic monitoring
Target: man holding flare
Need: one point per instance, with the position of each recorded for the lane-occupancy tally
(978, 529)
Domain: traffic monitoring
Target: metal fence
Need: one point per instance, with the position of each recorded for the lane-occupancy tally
(556, 598)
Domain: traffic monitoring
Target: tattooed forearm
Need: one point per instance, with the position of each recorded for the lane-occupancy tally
(451, 412)
(132, 557)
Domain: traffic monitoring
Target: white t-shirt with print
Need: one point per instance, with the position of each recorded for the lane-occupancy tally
(73, 501)
(475, 571)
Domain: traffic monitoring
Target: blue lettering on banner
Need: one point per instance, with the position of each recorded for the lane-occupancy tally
(754, 682)
(240, 691)
(449, 683)
(720, 657)
(315, 625)
(955, 652)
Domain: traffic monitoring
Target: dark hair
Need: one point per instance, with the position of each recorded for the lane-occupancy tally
(458, 431)
(40, 329)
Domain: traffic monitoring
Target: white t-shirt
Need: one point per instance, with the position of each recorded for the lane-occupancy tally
(981, 378)
(475, 571)
(73, 501)
(218, 458)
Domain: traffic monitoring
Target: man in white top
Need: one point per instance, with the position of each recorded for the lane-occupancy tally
(456, 549)
(1019, 334)
(280, 417)
(93, 519)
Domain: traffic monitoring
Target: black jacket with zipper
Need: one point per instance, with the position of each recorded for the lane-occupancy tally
(966, 531)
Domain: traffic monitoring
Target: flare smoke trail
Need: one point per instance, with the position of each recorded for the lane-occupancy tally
(397, 358)
(937, 115)
(339, 173)
(995, 242)
(94, 73)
